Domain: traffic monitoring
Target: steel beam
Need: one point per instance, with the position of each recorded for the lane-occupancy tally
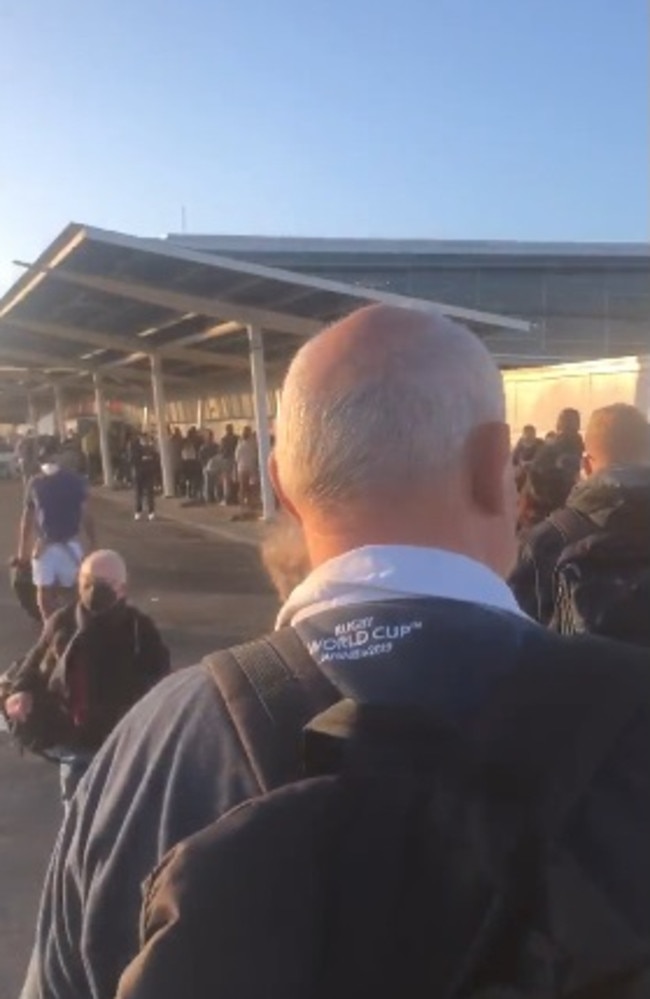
(183, 302)
(129, 345)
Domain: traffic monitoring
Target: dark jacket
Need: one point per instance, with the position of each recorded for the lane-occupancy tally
(565, 451)
(616, 502)
(176, 763)
(117, 656)
(526, 451)
(207, 451)
(276, 878)
(144, 459)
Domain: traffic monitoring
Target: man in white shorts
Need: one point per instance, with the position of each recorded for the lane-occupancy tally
(54, 517)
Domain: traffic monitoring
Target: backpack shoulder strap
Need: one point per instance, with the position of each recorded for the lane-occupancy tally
(571, 525)
(271, 688)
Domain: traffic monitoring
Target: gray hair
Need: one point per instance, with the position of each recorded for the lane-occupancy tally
(404, 417)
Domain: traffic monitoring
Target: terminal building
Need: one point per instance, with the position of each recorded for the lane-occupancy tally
(584, 300)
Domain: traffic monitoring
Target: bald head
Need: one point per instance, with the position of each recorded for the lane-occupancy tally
(617, 435)
(386, 396)
(102, 567)
(392, 430)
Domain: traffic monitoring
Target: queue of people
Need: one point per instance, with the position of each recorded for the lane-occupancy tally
(205, 470)
(433, 778)
(584, 561)
(210, 471)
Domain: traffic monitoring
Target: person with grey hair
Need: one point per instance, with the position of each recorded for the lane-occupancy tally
(95, 658)
(393, 456)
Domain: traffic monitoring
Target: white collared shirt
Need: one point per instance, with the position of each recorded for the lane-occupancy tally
(394, 572)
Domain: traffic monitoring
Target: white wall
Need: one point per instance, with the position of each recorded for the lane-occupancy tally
(233, 407)
(536, 395)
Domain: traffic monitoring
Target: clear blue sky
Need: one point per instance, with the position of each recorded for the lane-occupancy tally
(520, 119)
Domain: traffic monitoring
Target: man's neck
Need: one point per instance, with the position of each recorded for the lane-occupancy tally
(331, 542)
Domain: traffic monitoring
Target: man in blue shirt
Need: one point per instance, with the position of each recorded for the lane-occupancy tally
(55, 516)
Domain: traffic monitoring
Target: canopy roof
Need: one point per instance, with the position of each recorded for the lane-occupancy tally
(99, 301)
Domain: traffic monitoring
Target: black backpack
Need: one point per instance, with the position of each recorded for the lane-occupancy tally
(413, 862)
(602, 587)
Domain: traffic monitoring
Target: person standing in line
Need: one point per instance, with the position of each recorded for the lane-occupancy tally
(568, 446)
(144, 462)
(246, 461)
(527, 447)
(612, 500)
(91, 452)
(55, 515)
(211, 466)
(191, 471)
(176, 453)
(26, 454)
(228, 446)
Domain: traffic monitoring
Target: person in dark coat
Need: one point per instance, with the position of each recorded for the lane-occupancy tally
(145, 464)
(95, 658)
(614, 498)
(567, 447)
(543, 489)
(228, 447)
(527, 447)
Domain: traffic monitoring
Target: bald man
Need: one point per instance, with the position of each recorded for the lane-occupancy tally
(613, 500)
(393, 457)
(94, 660)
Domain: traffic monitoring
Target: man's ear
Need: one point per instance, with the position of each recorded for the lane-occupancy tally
(283, 499)
(490, 461)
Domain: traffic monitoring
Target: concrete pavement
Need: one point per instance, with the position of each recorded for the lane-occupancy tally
(205, 590)
(225, 523)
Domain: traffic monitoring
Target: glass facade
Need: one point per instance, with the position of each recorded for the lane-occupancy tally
(583, 306)
(579, 314)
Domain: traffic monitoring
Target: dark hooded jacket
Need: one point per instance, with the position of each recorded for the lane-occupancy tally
(613, 504)
(565, 451)
(92, 668)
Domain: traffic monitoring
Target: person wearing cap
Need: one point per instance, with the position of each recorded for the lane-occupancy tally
(94, 660)
(55, 515)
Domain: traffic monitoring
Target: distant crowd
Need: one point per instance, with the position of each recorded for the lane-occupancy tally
(216, 471)
(205, 469)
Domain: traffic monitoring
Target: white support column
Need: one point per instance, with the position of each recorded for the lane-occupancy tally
(258, 377)
(32, 415)
(103, 425)
(59, 412)
(160, 406)
(199, 414)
